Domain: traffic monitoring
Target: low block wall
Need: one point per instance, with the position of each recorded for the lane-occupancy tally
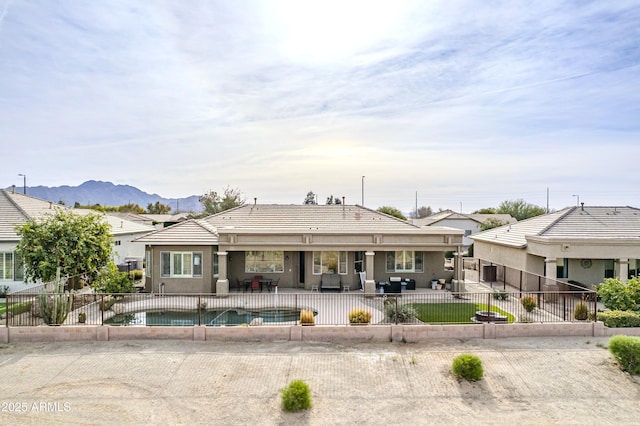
(366, 333)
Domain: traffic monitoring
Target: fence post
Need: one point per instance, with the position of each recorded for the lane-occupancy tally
(102, 309)
(6, 310)
(199, 310)
(564, 307)
(489, 305)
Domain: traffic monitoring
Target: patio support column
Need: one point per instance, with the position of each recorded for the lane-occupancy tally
(551, 275)
(222, 285)
(624, 269)
(370, 282)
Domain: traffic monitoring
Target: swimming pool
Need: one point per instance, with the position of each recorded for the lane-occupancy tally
(213, 317)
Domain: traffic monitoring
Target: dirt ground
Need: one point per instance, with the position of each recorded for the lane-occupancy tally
(533, 381)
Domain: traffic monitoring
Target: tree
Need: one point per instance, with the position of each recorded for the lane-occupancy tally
(131, 208)
(110, 280)
(77, 244)
(486, 210)
(491, 223)
(392, 211)
(519, 209)
(310, 199)
(423, 211)
(213, 202)
(331, 200)
(158, 208)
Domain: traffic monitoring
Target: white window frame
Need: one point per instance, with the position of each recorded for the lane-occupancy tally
(194, 269)
(320, 257)
(7, 267)
(416, 257)
(255, 261)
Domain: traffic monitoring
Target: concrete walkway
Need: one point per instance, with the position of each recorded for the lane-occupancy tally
(527, 381)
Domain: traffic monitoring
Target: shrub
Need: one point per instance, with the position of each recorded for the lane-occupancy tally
(359, 316)
(619, 318)
(581, 311)
(111, 281)
(467, 367)
(528, 303)
(400, 313)
(619, 296)
(307, 317)
(626, 350)
(500, 295)
(82, 317)
(296, 396)
(20, 308)
(136, 274)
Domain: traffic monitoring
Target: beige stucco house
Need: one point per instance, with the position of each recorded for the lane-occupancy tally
(469, 223)
(577, 244)
(296, 245)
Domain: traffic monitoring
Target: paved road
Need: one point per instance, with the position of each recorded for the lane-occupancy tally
(527, 381)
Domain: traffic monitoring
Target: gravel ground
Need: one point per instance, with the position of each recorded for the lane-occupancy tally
(527, 381)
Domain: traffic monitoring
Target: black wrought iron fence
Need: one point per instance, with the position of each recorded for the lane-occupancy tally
(247, 309)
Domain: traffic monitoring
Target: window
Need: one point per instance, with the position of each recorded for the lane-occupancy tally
(634, 268)
(264, 261)
(358, 262)
(609, 268)
(117, 243)
(6, 266)
(147, 258)
(216, 265)
(404, 261)
(180, 264)
(562, 268)
(329, 262)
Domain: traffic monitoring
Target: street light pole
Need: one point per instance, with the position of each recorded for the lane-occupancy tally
(362, 191)
(578, 203)
(24, 185)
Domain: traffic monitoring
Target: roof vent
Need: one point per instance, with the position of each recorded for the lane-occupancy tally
(582, 206)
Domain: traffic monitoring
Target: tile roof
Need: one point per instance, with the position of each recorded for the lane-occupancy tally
(281, 219)
(326, 218)
(16, 209)
(569, 223)
(451, 215)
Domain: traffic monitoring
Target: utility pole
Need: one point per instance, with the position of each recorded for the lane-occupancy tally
(362, 191)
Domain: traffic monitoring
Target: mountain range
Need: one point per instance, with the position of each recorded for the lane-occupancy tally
(108, 194)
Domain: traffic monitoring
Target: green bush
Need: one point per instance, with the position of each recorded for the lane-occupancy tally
(619, 318)
(626, 350)
(111, 281)
(20, 308)
(399, 313)
(3, 290)
(581, 311)
(136, 274)
(528, 303)
(468, 367)
(296, 396)
(359, 316)
(619, 296)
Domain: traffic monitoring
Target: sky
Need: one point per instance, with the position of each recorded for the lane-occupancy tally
(449, 104)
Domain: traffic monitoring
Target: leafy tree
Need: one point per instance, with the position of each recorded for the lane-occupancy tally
(310, 199)
(519, 209)
(131, 208)
(423, 211)
(77, 244)
(486, 210)
(331, 200)
(158, 208)
(491, 223)
(392, 211)
(215, 203)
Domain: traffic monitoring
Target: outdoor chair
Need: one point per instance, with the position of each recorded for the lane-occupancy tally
(273, 283)
(255, 285)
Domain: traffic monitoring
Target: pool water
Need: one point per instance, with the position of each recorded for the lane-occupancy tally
(233, 316)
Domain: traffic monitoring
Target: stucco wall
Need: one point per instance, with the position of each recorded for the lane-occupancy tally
(204, 284)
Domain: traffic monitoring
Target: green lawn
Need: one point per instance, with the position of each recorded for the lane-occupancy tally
(453, 312)
(16, 308)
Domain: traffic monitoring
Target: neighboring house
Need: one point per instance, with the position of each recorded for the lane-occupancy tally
(16, 209)
(578, 244)
(158, 221)
(469, 223)
(294, 244)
